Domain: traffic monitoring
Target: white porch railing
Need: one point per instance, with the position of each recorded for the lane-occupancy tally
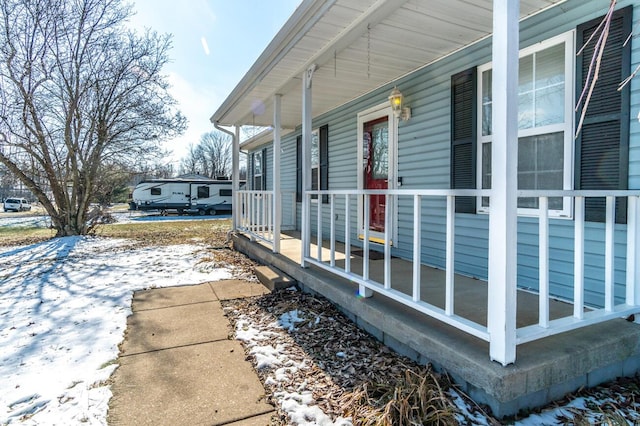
(581, 317)
(256, 214)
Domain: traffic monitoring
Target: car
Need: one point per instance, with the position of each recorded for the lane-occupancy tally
(16, 205)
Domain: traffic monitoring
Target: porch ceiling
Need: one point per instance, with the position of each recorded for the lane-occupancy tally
(358, 46)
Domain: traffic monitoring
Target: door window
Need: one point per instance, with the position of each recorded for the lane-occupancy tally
(376, 171)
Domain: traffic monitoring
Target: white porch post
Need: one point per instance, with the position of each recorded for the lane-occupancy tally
(306, 161)
(235, 178)
(277, 202)
(501, 319)
(633, 253)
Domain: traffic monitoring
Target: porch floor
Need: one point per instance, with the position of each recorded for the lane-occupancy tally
(544, 370)
(470, 299)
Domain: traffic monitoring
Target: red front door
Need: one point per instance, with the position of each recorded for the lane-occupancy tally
(376, 170)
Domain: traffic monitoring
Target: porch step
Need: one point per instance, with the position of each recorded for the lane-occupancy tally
(273, 278)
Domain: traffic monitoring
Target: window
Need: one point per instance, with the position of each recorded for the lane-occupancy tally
(319, 162)
(257, 171)
(203, 192)
(156, 191)
(545, 123)
(226, 192)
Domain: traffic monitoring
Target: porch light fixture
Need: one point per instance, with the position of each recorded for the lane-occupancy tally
(395, 99)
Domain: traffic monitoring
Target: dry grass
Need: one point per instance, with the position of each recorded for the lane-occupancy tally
(24, 235)
(416, 398)
(210, 232)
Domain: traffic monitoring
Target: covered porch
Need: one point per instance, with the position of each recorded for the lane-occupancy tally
(505, 335)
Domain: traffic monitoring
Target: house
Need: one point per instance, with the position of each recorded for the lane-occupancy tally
(392, 152)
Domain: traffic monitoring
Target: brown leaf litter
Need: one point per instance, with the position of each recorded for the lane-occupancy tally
(350, 373)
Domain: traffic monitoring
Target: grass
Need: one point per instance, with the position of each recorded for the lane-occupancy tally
(15, 236)
(211, 232)
(415, 399)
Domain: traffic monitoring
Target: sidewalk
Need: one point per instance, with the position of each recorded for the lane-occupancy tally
(178, 365)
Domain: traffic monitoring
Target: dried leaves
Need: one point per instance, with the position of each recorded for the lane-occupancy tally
(350, 373)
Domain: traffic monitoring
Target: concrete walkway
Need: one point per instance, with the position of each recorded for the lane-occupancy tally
(178, 365)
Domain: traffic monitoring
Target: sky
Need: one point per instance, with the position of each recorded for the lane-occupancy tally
(215, 42)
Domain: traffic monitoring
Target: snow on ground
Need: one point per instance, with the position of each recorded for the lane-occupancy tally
(63, 310)
(299, 404)
(24, 221)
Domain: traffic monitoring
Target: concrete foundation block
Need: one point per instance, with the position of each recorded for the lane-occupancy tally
(273, 278)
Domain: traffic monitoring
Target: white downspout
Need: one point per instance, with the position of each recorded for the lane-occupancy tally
(235, 173)
(503, 215)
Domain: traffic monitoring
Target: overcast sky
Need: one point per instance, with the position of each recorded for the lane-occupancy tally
(215, 42)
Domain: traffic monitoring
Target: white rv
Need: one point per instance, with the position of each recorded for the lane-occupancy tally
(192, 196)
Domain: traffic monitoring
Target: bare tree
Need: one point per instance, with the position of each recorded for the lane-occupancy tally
(79, 92)
(190, 163)
(211, 157)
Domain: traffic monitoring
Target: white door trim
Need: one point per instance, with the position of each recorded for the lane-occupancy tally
(365, 116)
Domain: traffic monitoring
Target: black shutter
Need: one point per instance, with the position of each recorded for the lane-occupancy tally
(299, 169)
(602, 147)
(250, 171)
(463, 137)
(324, 160)
(264, 169)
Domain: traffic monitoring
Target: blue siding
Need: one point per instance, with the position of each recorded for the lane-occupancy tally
(424, 159)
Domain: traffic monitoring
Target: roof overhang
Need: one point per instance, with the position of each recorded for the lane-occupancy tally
(358, 46)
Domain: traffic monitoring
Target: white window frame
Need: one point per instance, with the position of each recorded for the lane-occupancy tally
(257, 159)
(567, 127)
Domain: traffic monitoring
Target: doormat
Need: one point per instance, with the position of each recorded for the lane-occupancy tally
(373, 255)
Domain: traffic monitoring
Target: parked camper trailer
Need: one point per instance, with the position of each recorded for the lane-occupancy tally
(186, 196)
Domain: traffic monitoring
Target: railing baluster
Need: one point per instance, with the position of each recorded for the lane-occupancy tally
(609, 255)
(332, 199)
(578, 260)
(270, 215)
(245, 213)
(450, 256)
(367, 218)
(387, 241)
(417, 245)
(319, 222)
(260, 215)
(633, 255)
(265, 215)
(251, 216)
(347, 234)
(543, 254)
